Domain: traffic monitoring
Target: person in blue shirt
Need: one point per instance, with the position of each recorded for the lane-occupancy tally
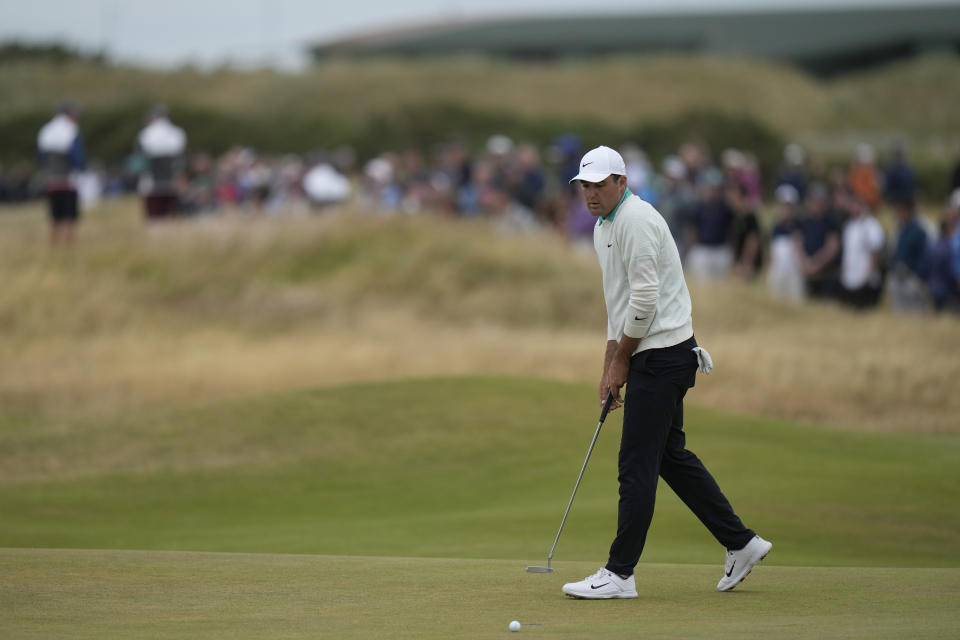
(709, 230)
(899, 181)
(910, 264)
(820, 259)
(944, 279)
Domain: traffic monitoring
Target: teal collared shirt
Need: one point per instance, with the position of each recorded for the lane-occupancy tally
(609, 216)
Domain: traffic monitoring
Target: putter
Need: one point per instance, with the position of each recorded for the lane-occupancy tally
(603, 416)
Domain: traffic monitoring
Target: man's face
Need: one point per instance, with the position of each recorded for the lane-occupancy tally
(601, 197)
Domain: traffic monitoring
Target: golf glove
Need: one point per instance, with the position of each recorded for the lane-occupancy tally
(704, 361)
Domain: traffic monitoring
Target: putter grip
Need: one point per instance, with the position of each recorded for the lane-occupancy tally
(606, 407)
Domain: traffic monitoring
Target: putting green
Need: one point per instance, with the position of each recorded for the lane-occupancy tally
(116, 594)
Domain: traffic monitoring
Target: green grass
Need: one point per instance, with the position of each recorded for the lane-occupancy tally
(468, 468)
(110, 594)
(419, 503)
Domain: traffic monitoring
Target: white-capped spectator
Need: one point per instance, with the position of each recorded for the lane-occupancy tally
(61, 154)
(785, 273)
(164, 144)
(325, 186)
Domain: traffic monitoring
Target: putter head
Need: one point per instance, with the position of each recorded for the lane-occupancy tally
(539, 569)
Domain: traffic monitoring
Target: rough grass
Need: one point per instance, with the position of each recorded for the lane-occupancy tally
(873, 105)
(98, 594)
(220, 307)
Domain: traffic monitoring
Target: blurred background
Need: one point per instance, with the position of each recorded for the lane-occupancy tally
(430, 89)
(806, 157)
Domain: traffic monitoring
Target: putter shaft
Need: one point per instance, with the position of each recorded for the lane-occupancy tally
(593, 442)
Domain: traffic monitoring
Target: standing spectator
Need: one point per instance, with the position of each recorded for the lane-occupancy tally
(455, 165)
(200, 195)
(17, 182)
(527, 181)
(861, 271)
(955, 238)
(751, 180)
(710, 255)
(567, 150)
(747, 252)
(910, 266)
(639, 174)
(163, 143)
(379, 190)
(899, 182)
(785, 276)
(741, 169)
(507, 215)
(944, 280)
(862, 177)
(61, 154)
(793, 171)
(820, 258)
(324, 186)
(677, 200)
(696, 159)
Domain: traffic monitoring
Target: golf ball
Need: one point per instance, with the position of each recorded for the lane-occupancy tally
(514, 626)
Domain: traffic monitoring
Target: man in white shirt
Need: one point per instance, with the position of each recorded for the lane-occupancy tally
(61, 154)
(650, 349)
(860, 268)
(164, 144)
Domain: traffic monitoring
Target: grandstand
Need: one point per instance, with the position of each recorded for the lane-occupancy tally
(823, 41)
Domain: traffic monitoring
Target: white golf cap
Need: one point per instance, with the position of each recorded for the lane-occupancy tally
(599, 163)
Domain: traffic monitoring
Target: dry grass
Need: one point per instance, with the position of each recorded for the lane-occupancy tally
(830, 116)
(220, 307)
(827, 364)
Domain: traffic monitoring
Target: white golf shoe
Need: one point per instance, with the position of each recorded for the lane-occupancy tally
(740, 563)
(602, 585)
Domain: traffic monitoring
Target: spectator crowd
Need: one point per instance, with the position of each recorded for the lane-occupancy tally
(819, 238)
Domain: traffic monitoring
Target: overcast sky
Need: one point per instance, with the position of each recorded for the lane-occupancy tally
(275, 32)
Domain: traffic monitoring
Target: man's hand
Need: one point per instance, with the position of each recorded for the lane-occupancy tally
(613, 380)
(616, 367)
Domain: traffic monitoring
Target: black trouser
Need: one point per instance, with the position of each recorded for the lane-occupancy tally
(63, 206)
(652, 445)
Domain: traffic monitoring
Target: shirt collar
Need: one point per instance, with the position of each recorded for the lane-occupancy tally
(609, 216)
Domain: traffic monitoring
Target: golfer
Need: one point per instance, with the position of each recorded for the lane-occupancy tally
(651, 350)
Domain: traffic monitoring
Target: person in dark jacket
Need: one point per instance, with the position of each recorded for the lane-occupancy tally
(909, 266)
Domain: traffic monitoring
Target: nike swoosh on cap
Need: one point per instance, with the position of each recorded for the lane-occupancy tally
(585, 164)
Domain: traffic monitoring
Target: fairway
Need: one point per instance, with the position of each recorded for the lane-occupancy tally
(111, 594)
(474, 467)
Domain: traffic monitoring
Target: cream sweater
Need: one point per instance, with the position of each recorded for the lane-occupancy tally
(643, 285)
